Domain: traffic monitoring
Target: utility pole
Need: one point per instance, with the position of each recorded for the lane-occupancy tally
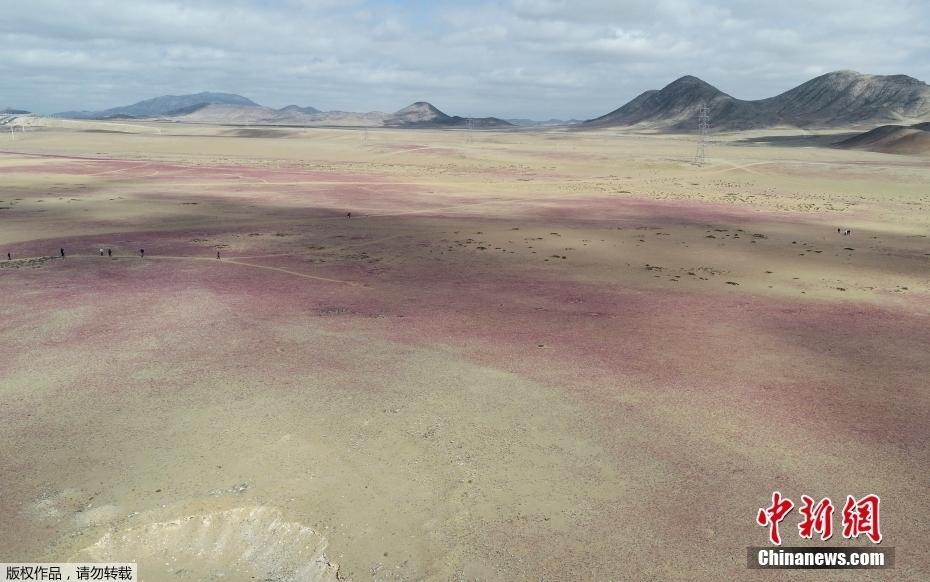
(700, 157)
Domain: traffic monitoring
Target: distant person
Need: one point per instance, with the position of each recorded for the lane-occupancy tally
(110, 253)
(9, 257)
(348, 215)
(839, 230)
(142, 253)
(62, 251)
(101, 252)
(217, 254)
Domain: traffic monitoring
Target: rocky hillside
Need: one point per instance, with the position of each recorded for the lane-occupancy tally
(677, 105)
(845, 98)
(839, 99)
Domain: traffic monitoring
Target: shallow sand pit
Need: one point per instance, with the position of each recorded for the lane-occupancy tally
(245, 543)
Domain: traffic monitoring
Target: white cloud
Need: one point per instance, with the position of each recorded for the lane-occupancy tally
(539, 58)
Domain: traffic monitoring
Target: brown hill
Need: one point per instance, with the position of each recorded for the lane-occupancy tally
(892, 139)
(424, 115)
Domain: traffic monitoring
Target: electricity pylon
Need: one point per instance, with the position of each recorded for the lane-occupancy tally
(700, 157)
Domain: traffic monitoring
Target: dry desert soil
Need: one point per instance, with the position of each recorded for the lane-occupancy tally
(541, 355)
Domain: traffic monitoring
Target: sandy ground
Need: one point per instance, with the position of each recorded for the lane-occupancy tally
(527, 355)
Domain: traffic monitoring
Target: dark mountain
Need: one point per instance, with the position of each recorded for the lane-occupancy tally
(676, 107)
(185, 110)
(11, 111)
(892, 139)
(298, 109)
(850, 98)
(419, 113)
(424, 115)
(839, 99)
(165, 105)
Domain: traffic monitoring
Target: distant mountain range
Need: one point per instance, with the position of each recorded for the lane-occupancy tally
(547, 123)
(835, 100)
(165, 105)
(838, 99)
(235, 109)
(297, 109)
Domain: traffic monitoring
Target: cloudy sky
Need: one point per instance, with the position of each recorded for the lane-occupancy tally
(510, 58)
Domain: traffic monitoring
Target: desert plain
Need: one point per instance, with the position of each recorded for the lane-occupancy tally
(548, 355)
